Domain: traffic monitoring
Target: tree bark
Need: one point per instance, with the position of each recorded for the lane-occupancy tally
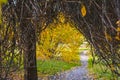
(0, 63)
(28, 39)
(29, 43)
(0, 56)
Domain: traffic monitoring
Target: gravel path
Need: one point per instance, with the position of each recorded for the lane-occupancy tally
(78, 73)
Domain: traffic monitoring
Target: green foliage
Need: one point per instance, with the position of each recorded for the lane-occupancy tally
(100, 71)
(50, 67)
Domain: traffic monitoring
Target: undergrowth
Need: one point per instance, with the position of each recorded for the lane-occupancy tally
(100, 72)
(51, 67)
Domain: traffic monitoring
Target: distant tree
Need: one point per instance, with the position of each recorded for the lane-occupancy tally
(60, 39)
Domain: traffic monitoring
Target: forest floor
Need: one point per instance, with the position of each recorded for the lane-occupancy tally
(77, 73)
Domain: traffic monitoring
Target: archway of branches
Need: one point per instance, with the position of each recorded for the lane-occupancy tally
(97, 20)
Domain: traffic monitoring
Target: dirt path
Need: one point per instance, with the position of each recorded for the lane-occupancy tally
(78, 73)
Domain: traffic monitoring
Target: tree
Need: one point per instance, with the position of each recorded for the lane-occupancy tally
(28, 38)
(95, 19)
(25, 18)
(60, 40)
(14, 34)
(1, 2)
(22, 17)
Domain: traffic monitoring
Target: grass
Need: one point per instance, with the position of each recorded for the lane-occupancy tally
(51, 67)
(99, 73)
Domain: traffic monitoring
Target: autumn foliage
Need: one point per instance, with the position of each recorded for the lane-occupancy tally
(97, 20)
(60, 40)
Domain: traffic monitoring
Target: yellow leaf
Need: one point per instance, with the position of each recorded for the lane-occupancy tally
(61, 17)
(117, 37)
(83, 11)
(3, 1)
(108, 37)
(118, 23)
(118, 29)
(112, 67)
(118, 34)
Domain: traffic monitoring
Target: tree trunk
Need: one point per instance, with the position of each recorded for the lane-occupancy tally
(28, 39)
(0, 56)
(29, 43)
(0, 64)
